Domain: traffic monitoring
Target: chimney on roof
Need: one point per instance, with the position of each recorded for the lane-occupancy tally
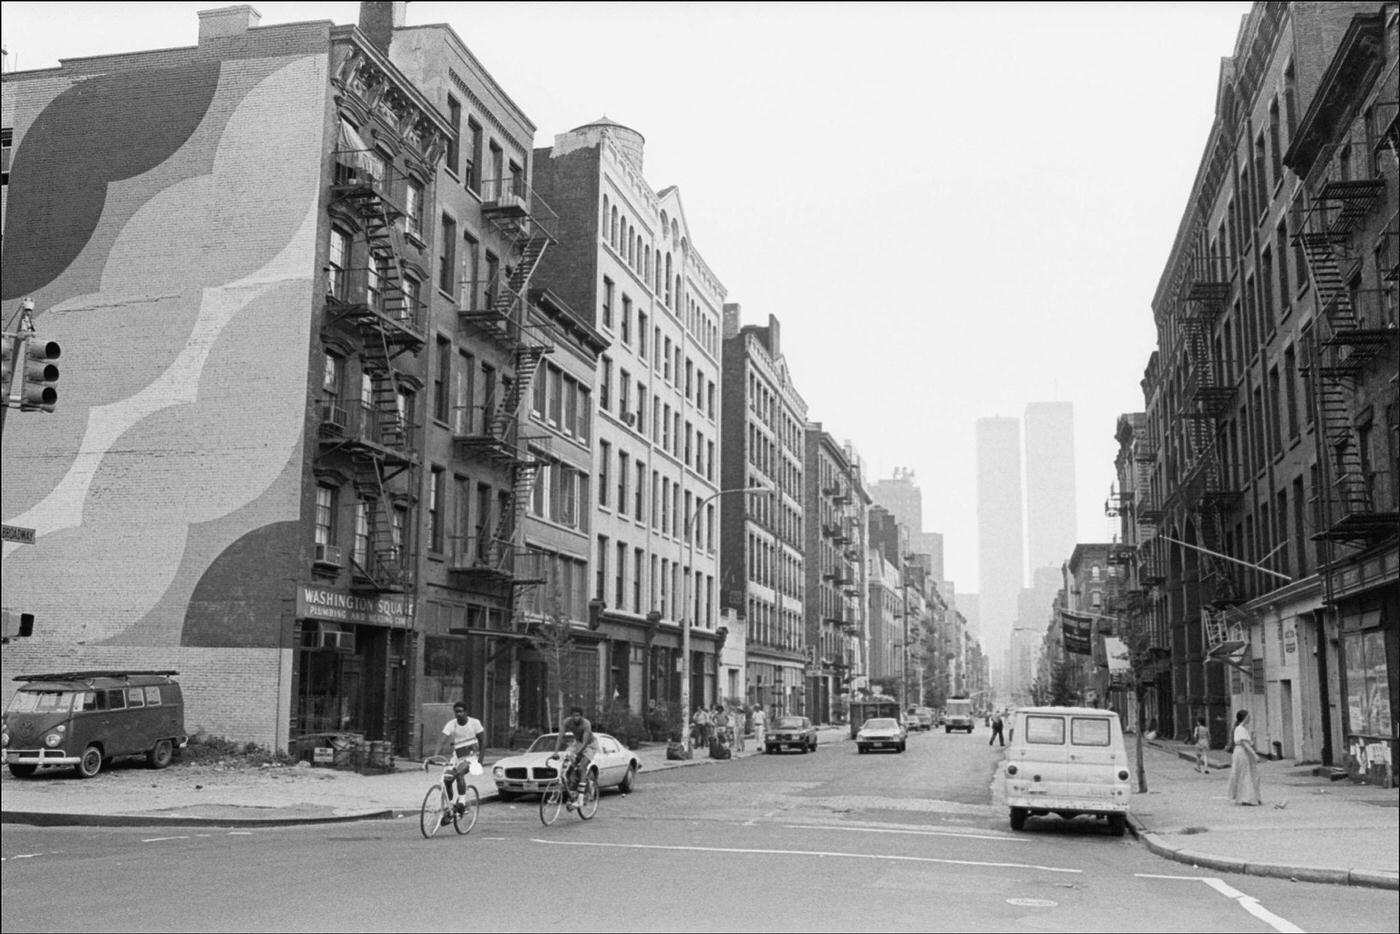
(226, 22)
(378, 20)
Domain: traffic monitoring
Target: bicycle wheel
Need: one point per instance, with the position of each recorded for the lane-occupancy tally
(464, 820)
(551, 803)
(430, 818)
(588, 799)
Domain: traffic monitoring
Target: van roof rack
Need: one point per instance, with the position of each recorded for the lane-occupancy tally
(88, 675)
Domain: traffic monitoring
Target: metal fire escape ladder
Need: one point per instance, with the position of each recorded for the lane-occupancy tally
(1337, 360)
(389, 325)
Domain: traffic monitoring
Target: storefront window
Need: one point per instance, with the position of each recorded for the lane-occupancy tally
(444, 669)
(1368, 697)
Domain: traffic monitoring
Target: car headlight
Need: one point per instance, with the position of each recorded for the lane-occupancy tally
(53, 739)
(498, 772)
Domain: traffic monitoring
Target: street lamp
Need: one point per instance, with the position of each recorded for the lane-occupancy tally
(686, 619)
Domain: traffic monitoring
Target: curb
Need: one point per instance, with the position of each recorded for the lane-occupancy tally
(1327, 875)
(60, 819)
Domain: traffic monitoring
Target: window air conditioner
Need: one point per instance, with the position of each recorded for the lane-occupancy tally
(329, 554)
(629, 419)
(340, 640)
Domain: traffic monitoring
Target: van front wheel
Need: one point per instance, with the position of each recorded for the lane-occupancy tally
(1018, 818)
(1117, 823)
(91, 762)
(20, 770)
(161, 754)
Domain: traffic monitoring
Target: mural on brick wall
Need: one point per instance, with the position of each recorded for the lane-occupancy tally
(165, 224)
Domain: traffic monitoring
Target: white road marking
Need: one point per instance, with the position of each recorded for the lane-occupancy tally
(1248, 902)
(819, 853)
(917, 833)
(20, 856)
(240, 833)
(163, 839)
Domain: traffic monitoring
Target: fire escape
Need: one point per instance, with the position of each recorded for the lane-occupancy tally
(1207, 396)
(499, 313)
(371, 303)
(1349, 337)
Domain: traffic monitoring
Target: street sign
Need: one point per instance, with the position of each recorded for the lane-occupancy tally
(17, 533)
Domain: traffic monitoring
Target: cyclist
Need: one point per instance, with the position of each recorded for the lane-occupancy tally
(464, 734)
(579, 733)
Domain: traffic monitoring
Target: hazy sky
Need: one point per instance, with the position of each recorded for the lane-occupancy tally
(954, 208)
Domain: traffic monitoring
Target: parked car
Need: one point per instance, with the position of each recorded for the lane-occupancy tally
(1068, 761)
(882, 733)
(790, 732)
(85, 719)
(615, 766)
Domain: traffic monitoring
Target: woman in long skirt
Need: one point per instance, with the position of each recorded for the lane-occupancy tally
(1244, 763)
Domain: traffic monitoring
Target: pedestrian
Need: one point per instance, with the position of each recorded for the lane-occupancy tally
(720, 721)
(700, 727)
(737, 718)
(1244, 763)
(760, 723)
(997, 726)
(1202, 737)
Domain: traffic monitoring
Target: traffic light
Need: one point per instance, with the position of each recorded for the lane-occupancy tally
(7, 364)
(40, 373)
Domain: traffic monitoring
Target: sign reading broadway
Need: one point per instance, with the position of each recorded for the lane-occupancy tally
(344, 607)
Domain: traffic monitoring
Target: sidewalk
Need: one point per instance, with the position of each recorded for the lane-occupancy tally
(1309, 828)
(131, 795)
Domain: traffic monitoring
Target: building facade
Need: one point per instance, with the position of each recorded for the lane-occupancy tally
(764, 551)
(627, 263)
(274, 481)
(1250, 290)
(835, 612)
(1000, 546)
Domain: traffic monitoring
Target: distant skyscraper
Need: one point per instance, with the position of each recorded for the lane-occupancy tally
(905, 501)
(1000, 555)
(1051, 517)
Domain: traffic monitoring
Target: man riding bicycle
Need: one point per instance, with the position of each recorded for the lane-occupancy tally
(578, 732)
(464, 735)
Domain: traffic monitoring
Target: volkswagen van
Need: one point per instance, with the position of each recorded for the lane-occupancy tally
(1068, 761)
(84, 719)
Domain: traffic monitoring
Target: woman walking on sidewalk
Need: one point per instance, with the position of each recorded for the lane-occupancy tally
(1244, 763)
(1202, 737)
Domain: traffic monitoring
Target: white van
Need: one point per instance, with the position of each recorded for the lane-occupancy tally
(1067, 761)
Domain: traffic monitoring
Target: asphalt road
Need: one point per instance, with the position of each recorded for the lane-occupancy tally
(831, 841)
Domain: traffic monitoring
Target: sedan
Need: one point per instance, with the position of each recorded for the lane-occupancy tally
(786, 732)
(615, 766)
(881, 733)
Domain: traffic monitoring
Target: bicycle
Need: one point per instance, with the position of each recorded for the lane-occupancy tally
(437, 811)
(553, 797)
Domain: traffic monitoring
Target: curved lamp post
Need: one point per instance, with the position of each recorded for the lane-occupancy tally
(686, 618)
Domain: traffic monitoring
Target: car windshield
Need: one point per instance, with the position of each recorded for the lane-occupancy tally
(883, 723)
(791, 723)
(42, 701)
(544, 744)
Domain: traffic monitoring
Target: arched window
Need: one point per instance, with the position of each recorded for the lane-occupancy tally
(612, 230)
(605, 217)
(668, 279)
(646, 264)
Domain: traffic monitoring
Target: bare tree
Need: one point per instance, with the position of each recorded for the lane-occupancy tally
(553, 637)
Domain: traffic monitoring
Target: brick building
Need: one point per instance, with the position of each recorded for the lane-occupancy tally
(1248, 424)
(763, 551)
(835, 506)
(229, 485)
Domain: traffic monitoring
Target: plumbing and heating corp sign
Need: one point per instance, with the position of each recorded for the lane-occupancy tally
(345, 607)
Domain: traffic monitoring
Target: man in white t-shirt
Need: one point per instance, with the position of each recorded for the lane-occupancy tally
(464, 735)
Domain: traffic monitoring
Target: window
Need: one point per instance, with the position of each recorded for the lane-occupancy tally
(471, 172)
(471, 273)
(554, 389)
(1274, 151)
(442, 379)
(497, 180)
(325, 514)
(539, 401)
(454, 117)
(337, 263)
(435, 502)
(1089, 731)
(642, 335)
(626, 319)
(331, 377)
(412, 301)
(7, 143)
(1046, 731)
(640, 493)
(607, 302)
(622, 460)
(447, 257)
(621, 578)
(604, 383)
(604, 455)
(624, 393)
(361, 545)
